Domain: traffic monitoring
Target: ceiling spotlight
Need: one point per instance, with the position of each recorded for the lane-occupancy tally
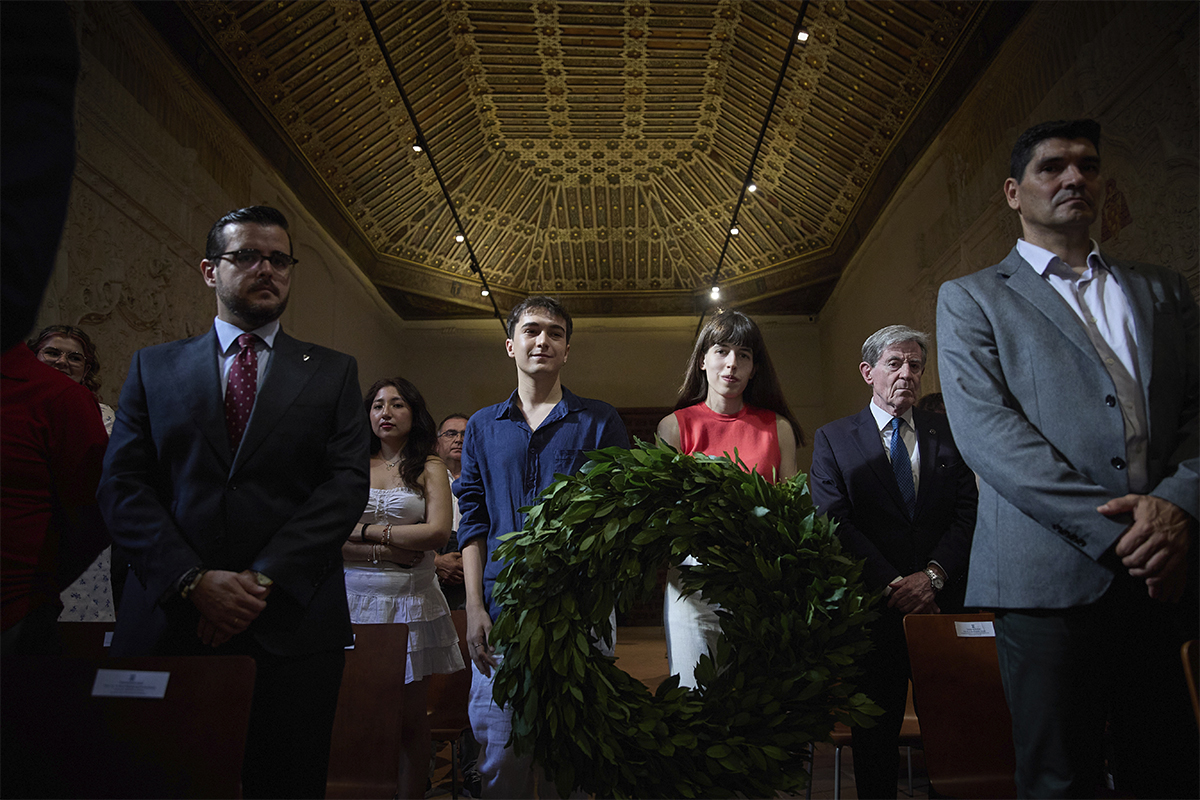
(417, 147)
(715, 292)
(802, 36)
(459, 238)
(484, 292)
(734, 231)
(752, 187)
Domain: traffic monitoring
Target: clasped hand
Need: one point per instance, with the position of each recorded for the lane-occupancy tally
(228, 602)
(449, 568)
(913, 594)
(1156, 545)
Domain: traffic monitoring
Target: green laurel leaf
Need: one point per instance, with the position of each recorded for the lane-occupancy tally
(793, 613)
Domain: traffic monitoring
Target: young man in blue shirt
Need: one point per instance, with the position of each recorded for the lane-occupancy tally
(511, 453)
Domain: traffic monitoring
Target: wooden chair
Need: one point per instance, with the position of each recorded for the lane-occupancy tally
(1190, 652)
(910, 737)
(60, 741)
(965, 724)
(364, 754)
(447, 702)
(84, 639)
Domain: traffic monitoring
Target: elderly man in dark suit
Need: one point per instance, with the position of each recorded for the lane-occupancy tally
(904, 501)
(1071, 380)
(237, 465)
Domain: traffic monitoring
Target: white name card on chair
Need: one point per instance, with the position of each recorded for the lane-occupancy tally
(130, 683)
(977, 628)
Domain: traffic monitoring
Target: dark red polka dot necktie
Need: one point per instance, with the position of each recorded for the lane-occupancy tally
(239, 394)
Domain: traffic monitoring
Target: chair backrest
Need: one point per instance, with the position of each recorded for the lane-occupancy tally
(60, 741)
(966, 728)
(84, 639)
(910, 729)
(1190, 652)
(364, 754)
(448, 695)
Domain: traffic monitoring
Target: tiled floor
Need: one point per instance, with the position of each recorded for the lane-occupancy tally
(642, 652)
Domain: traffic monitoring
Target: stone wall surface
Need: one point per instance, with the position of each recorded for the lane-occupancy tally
(157, 163)
(1131, 66)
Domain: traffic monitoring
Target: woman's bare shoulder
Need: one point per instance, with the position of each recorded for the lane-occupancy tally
(668, 430)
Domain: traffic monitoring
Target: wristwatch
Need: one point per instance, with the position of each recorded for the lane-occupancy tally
(189, 581)
(935, 579)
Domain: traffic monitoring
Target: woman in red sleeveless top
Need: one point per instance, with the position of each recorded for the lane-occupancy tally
(730, 404)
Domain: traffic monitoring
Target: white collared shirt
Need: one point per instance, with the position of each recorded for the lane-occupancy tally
(1101, 305)
(908, 432)
(227, 335)
(883, 420)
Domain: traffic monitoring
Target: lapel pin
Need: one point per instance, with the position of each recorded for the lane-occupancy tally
(306, 356)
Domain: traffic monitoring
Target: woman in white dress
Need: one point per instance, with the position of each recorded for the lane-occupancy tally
(730, 402)
(389, 556)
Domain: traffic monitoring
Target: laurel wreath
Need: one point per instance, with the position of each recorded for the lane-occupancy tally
(792, 612)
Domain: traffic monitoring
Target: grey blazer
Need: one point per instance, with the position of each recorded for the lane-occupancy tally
(1035, 415)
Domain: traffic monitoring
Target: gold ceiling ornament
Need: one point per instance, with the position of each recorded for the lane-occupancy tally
(596, 149)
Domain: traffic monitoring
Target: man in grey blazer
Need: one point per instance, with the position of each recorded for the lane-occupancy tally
(1071, 382)
(236, 468)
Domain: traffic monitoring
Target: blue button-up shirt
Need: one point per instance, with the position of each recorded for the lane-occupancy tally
(505, 465)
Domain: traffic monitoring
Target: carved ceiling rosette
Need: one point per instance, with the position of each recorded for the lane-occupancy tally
(597, 149)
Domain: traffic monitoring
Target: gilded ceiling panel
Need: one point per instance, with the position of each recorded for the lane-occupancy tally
(598, 149)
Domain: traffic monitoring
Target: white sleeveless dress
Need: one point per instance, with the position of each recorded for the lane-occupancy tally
(388, 592)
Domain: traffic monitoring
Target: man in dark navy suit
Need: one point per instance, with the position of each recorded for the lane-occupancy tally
(904, 501)
(236, 468)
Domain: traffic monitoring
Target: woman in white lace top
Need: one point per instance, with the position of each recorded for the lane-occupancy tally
(389, 556)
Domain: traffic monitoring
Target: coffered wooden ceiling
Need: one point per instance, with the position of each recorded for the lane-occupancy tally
(594, 150)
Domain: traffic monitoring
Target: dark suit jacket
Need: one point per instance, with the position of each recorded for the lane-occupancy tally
(175, 496)
(1037, 416)
(852, 482)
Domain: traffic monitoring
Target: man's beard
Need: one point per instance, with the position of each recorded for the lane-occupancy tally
(249, 312)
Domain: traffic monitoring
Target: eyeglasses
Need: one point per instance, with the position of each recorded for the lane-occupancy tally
(450, 435)
(250, 258)
(52, 354)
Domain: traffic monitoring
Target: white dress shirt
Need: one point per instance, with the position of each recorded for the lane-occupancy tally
(1100, 304)
(227, 335)
(907, 432)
